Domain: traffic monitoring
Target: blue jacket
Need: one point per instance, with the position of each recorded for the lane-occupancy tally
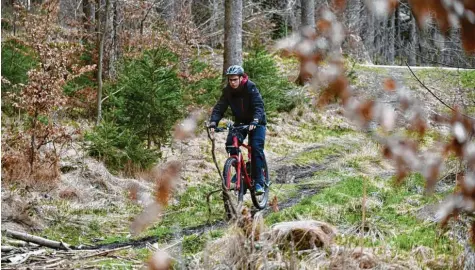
(246, 104)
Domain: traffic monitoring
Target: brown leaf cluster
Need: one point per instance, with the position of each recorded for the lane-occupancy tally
(42, 98)
(186, 128)
(160, 260)
(165, 178)
(448, 14)
(274, 204)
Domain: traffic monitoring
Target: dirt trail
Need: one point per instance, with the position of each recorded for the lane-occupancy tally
(294, 173)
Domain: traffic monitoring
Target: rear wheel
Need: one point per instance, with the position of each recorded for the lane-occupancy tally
(260, 201)
(235, 196)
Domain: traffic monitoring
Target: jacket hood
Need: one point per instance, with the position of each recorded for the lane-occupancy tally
(245, 78)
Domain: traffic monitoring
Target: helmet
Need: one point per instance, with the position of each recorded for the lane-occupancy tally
(235, 70)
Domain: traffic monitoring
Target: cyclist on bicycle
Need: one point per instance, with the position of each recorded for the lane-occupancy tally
(247, 107)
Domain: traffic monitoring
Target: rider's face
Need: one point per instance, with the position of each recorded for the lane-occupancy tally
(234, 81)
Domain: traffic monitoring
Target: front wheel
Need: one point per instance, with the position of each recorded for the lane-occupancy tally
(260, 201)
(235, 196)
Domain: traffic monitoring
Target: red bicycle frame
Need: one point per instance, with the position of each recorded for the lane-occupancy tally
(241, 164)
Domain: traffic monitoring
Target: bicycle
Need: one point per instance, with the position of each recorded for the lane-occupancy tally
(236, 165)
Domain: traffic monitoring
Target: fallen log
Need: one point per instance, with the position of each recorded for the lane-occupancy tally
(36, 239)
(19, 243)
(8, 248)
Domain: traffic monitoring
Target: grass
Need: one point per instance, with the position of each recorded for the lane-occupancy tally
(377, 70)
(193, 244)
(192, 209)
(441, 78)
(317, 155)
(388, 211)
(467, 79)
(315, 207)
(317, 133)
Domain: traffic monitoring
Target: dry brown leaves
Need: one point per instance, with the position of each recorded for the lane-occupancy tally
(448, 14)
(186, 129)
(246, 223)
(165, 179)
(160, 260)
(389, 85)
(274, 204)
(304, 234)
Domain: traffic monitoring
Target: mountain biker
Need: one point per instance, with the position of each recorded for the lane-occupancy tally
(247, 107)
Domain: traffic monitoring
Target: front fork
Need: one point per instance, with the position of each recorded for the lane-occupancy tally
(240, 165)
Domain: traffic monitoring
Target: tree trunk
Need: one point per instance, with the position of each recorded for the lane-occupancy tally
(292, 15)
(232, 33)
(413, 42)
(307, 13)
(370, 33)
(101, 34)
(114, 52)
(33, 142)
(88, 19)
(213, 26)
(397, 40)
(392, 33)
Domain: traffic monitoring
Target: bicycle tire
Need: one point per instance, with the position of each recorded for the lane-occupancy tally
(230, 168)
(260, 202)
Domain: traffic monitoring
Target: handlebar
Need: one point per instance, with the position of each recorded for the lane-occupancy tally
(241, 127)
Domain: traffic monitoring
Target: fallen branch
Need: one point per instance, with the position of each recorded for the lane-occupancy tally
(20, 258)
(54, 265)
(19, 243)
(226, 197)
(36, 239)
(101, 253)
(208, 196)
(8, 248)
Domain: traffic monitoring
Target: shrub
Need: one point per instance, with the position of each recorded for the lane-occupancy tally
(119, 148)
(139, 113)
(17, 60)
(149, 100)
(203, 85)
(278, 93)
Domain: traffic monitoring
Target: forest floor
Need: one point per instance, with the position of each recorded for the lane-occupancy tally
(322, 167)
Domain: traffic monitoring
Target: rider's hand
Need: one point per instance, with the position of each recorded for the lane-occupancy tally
(253, 124)
(212, 126)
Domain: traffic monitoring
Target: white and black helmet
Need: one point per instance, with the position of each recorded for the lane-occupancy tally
(235, 70)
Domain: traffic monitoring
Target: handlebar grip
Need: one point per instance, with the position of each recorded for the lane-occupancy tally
(218, 129)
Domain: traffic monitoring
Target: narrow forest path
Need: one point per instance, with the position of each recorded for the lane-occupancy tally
(317, 159)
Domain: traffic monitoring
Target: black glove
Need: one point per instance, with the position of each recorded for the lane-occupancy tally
(212, 125)
(253, 124)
